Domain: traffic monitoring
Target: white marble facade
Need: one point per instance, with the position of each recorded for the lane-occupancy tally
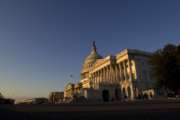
(125, 76)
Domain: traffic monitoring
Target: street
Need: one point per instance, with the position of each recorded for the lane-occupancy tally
(144, 110)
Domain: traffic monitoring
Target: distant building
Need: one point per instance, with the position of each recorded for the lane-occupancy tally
(56, 97)
(35, 101)
(125, 76)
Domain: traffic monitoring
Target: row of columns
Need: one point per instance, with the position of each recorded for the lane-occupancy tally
(112, 75)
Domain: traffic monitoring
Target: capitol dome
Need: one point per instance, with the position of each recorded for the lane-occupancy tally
(90, 59)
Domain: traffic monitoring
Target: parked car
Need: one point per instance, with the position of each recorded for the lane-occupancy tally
(171, 94)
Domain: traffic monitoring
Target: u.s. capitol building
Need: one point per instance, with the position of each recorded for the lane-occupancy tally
(125, 76)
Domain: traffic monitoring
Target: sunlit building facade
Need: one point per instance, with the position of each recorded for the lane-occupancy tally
(69, 91)
(125, 76)
(56, 97)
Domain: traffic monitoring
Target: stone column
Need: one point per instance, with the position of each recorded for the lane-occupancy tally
(116, 74)
(131, 79)
(95, 80)
(122, 71)
(119, 72)
(107, 75)
(98, 78)
(100, 73)
(92, 80)
(101, 76)
(132, 92)
(130, 69)
(113, 75)
(104, 78)
(125, 72)
(110, 74)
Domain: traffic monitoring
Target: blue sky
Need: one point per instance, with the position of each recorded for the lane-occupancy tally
(42, 42)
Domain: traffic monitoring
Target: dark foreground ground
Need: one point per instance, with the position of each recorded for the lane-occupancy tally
(142, 110)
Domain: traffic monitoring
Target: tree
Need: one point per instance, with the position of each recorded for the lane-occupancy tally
(166, 67)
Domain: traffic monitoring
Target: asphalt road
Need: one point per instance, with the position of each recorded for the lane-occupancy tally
(151, 110)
